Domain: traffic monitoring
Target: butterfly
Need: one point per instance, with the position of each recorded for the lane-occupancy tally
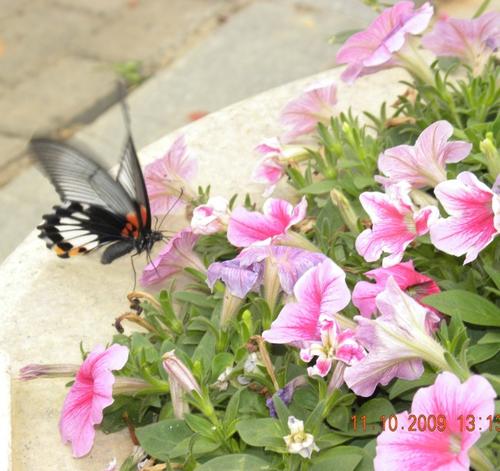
(97, 210)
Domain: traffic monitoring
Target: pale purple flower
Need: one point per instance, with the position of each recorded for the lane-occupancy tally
(286, 394)
(269, 169)
(239, 278)
(473, 41)
(378, 46)
(474, 219)
(396, 223)
(89, 395)
(315, 105)
(177, 370)
(423, 164)
(211, 217)
(320, 290)
(336, 344)
(177, 255)
(167, 178)
(431, 449)
(245, 273)
(291, 262)
(408, 279)
(396, 341)
(253, 228)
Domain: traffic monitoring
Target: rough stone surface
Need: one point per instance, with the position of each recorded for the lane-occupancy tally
(54, 96)
(148, 39)
(38, 34)
(11, 148)
(99, 7)
(50, 304)
(22, 204)
(5, 413)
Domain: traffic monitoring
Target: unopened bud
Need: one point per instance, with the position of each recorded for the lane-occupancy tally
(180, 372)
(490, 152)
(347, 213)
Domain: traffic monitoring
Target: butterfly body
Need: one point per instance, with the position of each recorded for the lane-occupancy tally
(97, 210)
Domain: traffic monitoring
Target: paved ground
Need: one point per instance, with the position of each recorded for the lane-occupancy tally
(59, 61)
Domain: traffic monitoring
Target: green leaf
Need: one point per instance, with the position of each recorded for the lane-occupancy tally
(200, 425)
(260, 432)
(401, 385)
(196, 445)
(470, 307)
(232, 407)
(220, 362)
(282, 411)
(235, 463)
(315, 418)
(160, 438)
(490, 337)
(318, 188)
(375, 408)
(339, 418)
(493, 273)
(197, 299)
(341, 458)
(479, 353)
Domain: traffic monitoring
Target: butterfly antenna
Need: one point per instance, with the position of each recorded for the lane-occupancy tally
(150, 260)
(171, 208)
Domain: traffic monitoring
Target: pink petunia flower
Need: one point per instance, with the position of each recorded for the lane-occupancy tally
(167, 178)
(380, 45)
(445, 448)
(474, 219)
(212, 217)
(473, 41)
(253, 228)
(395, 223)
(269, 169)
(396, 341)
(408, 279)
(316, 105)
(423, 164)
(177, 255)
(321, 290)
(336, 344)
(90, 394)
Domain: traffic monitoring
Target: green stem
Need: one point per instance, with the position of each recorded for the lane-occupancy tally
(479, 460)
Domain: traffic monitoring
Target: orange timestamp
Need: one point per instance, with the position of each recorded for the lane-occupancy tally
(430, 423)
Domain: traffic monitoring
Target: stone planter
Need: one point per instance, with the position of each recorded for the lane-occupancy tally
(49, 305)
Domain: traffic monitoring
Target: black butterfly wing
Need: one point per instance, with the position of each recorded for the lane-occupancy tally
(77, 176)
(97, 210)
(131, 178)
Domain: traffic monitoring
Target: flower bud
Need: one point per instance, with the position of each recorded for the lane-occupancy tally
(34, 371)
(490, 152)
(212, 217)
(180, 372)
(348, 215)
